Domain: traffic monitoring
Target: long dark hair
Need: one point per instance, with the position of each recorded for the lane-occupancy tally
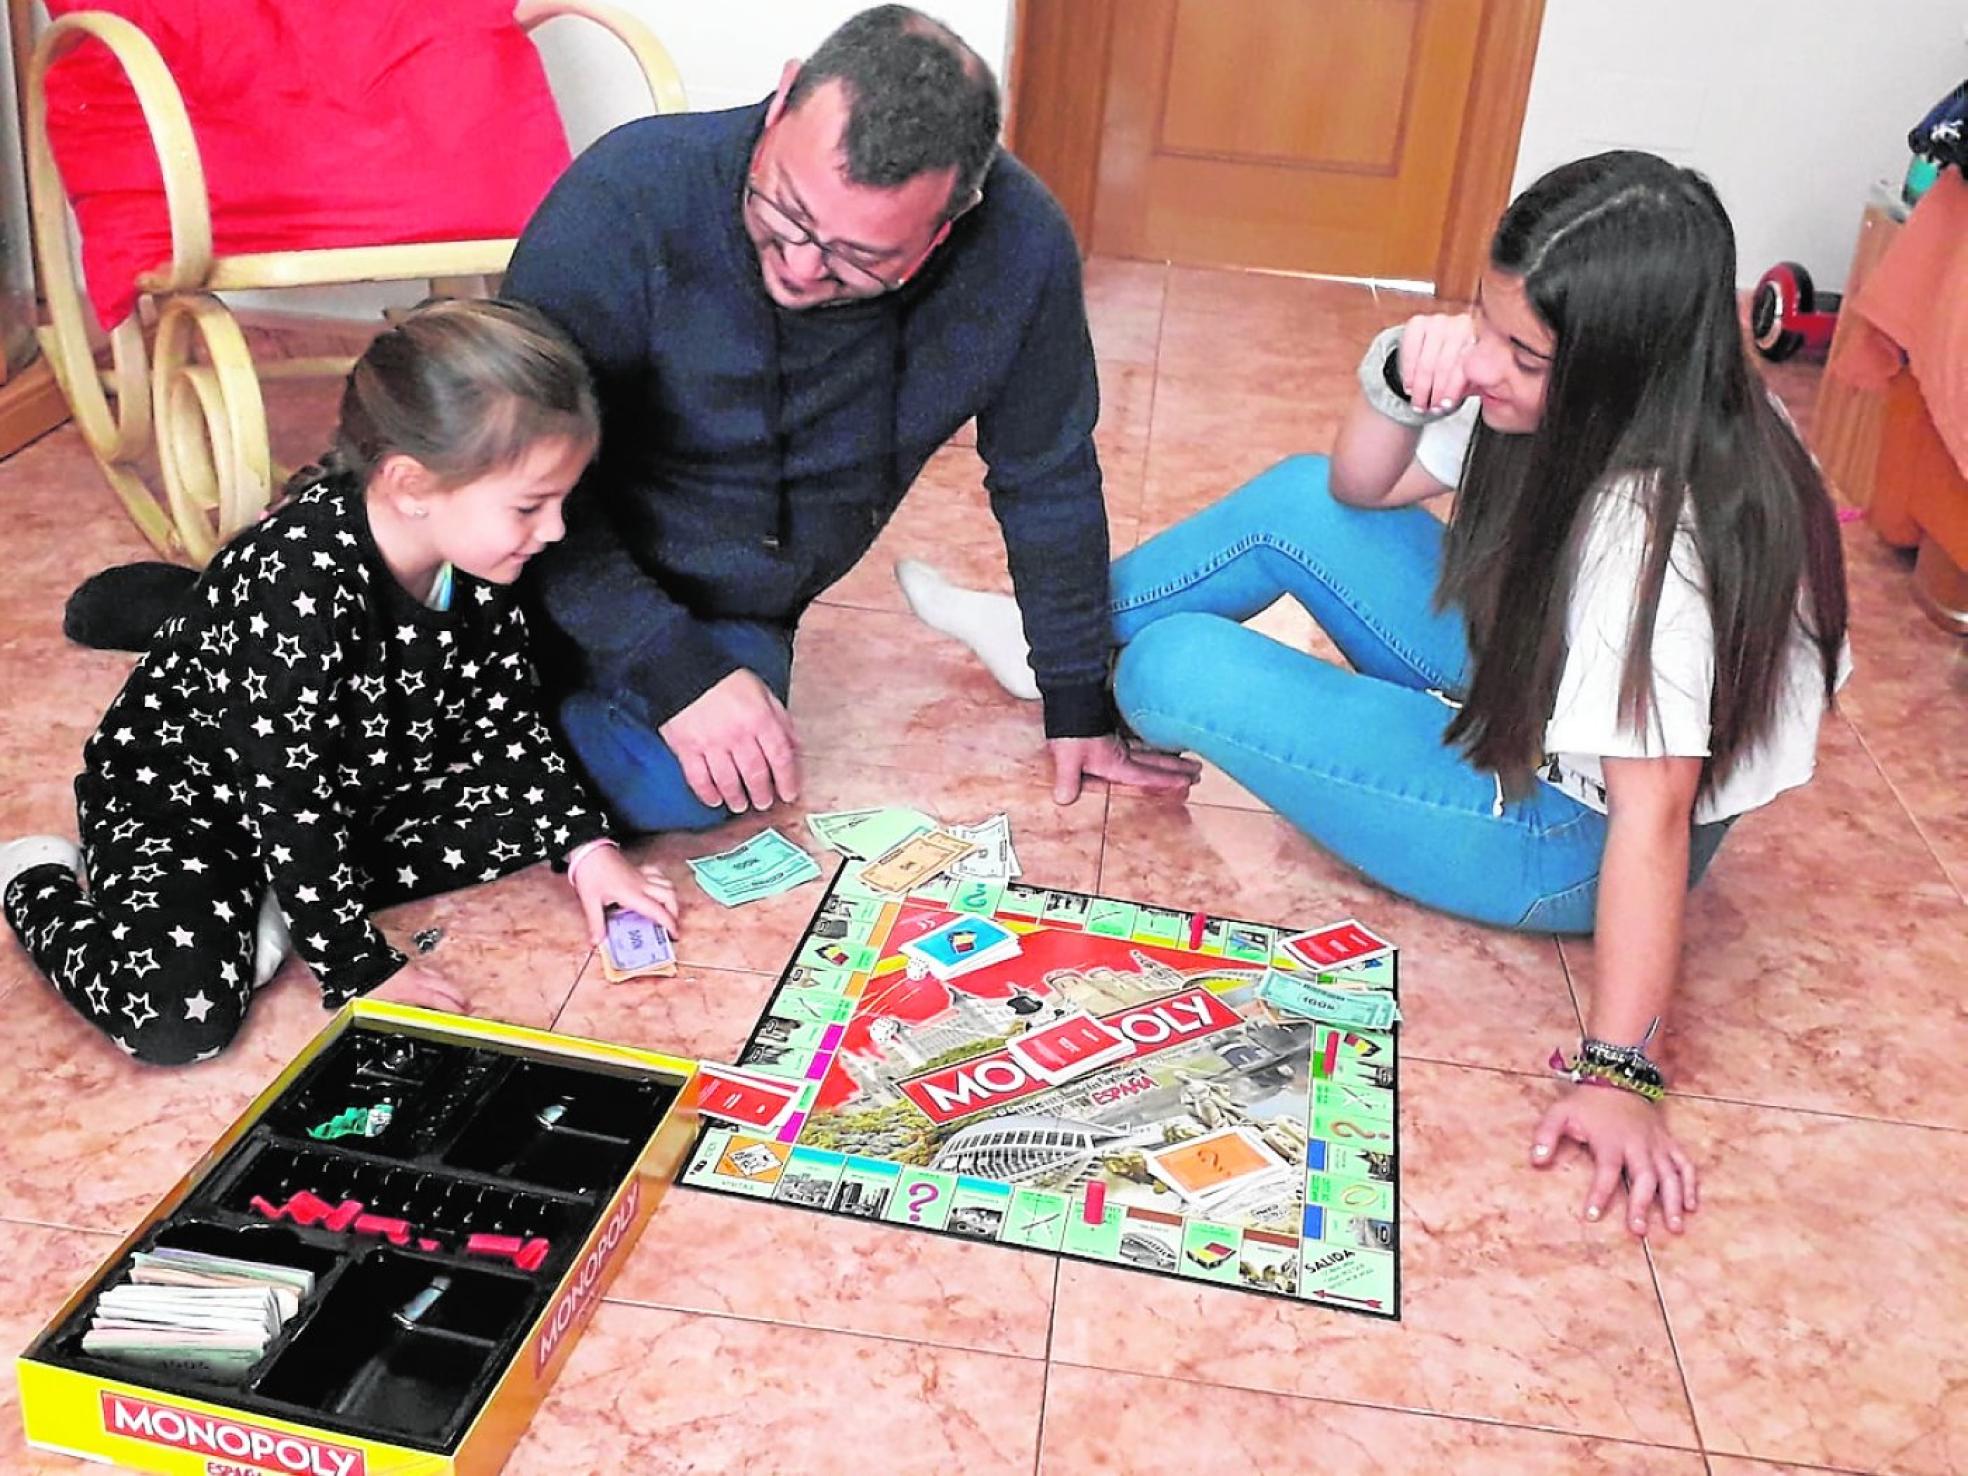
(1631, 263)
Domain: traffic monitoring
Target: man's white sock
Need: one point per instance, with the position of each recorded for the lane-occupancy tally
(987, 623)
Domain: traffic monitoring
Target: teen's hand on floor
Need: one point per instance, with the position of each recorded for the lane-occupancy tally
(736, 745)
(419, 984)
(1433, 346)
(1625, 1134)
(607, 876)
(1113, 758)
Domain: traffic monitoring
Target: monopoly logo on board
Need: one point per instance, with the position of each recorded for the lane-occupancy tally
(992, 1080)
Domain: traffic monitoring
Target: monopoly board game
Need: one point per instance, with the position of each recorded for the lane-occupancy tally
(1083, 1075)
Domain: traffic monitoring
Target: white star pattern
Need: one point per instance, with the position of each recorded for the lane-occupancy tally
(330, 708)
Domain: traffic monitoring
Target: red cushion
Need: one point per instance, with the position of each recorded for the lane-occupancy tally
(319, 122)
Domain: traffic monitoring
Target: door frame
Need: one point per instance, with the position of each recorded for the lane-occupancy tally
(1055, 119)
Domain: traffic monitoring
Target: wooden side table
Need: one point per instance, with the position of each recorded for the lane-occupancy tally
(1846, 421)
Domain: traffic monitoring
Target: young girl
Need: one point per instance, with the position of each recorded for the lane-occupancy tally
(1560, 702)
(342, 715)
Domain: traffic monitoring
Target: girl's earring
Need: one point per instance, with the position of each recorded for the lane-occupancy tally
(419, 511)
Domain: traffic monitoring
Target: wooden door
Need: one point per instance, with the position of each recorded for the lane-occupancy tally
(1356, 137)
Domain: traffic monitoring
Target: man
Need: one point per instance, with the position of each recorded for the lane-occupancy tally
(787, 309)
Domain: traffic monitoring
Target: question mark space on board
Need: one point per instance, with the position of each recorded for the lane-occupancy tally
(921, 1197)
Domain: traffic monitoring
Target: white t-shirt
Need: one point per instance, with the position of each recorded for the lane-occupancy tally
(1585, 726)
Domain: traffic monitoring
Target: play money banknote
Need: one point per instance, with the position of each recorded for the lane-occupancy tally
(914, 860)
(763, 866)
(1349, 1009)
(994, 859)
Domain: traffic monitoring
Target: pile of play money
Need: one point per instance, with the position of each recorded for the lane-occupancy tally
(212, 1316)
(763, 866)
(901, 846)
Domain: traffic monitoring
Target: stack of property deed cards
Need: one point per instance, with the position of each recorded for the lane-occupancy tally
(210, 1316)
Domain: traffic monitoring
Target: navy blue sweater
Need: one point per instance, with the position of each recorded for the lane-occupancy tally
(751, 454)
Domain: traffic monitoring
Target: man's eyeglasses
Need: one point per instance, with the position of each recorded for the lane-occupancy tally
(790, 234)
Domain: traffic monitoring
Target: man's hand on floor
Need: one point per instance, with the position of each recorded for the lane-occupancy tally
(736, 745)
(1113, 758)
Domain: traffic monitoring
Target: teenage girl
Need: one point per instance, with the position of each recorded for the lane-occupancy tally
(341, 716)
(1623, 640)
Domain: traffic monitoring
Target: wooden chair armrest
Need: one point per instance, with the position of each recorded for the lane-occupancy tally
(659, 73)
(170, 134)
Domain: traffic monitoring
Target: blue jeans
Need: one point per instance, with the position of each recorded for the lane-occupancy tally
(639, 778)
(1355, 759)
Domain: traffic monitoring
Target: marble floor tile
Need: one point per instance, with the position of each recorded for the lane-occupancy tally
(703, 1013)
(110, 1136)
(1124, 308)
(1816, 1299)
(1513, 1308)
(42, 1267)
(1833, 997)
(652, 1392)
(1103, 1421)
(706, 1252)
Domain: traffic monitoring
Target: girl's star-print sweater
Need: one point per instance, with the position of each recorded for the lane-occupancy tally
(302, 691)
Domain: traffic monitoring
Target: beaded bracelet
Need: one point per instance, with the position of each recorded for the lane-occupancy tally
(1601, 1063)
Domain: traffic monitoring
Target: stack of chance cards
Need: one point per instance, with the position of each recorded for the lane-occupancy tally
(742, 1097)
(965, 943)
(634, 947)
(1217, 1167)
(212, 1316)
(763, 866)
(1070, 1047)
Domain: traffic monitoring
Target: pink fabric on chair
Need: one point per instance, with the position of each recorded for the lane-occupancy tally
(320, 123)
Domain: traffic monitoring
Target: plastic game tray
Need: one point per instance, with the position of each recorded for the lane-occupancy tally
(498, 1164)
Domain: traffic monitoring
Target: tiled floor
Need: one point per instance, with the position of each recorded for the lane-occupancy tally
(1816, 1315)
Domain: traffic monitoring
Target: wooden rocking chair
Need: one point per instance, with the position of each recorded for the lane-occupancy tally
(195, 387)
